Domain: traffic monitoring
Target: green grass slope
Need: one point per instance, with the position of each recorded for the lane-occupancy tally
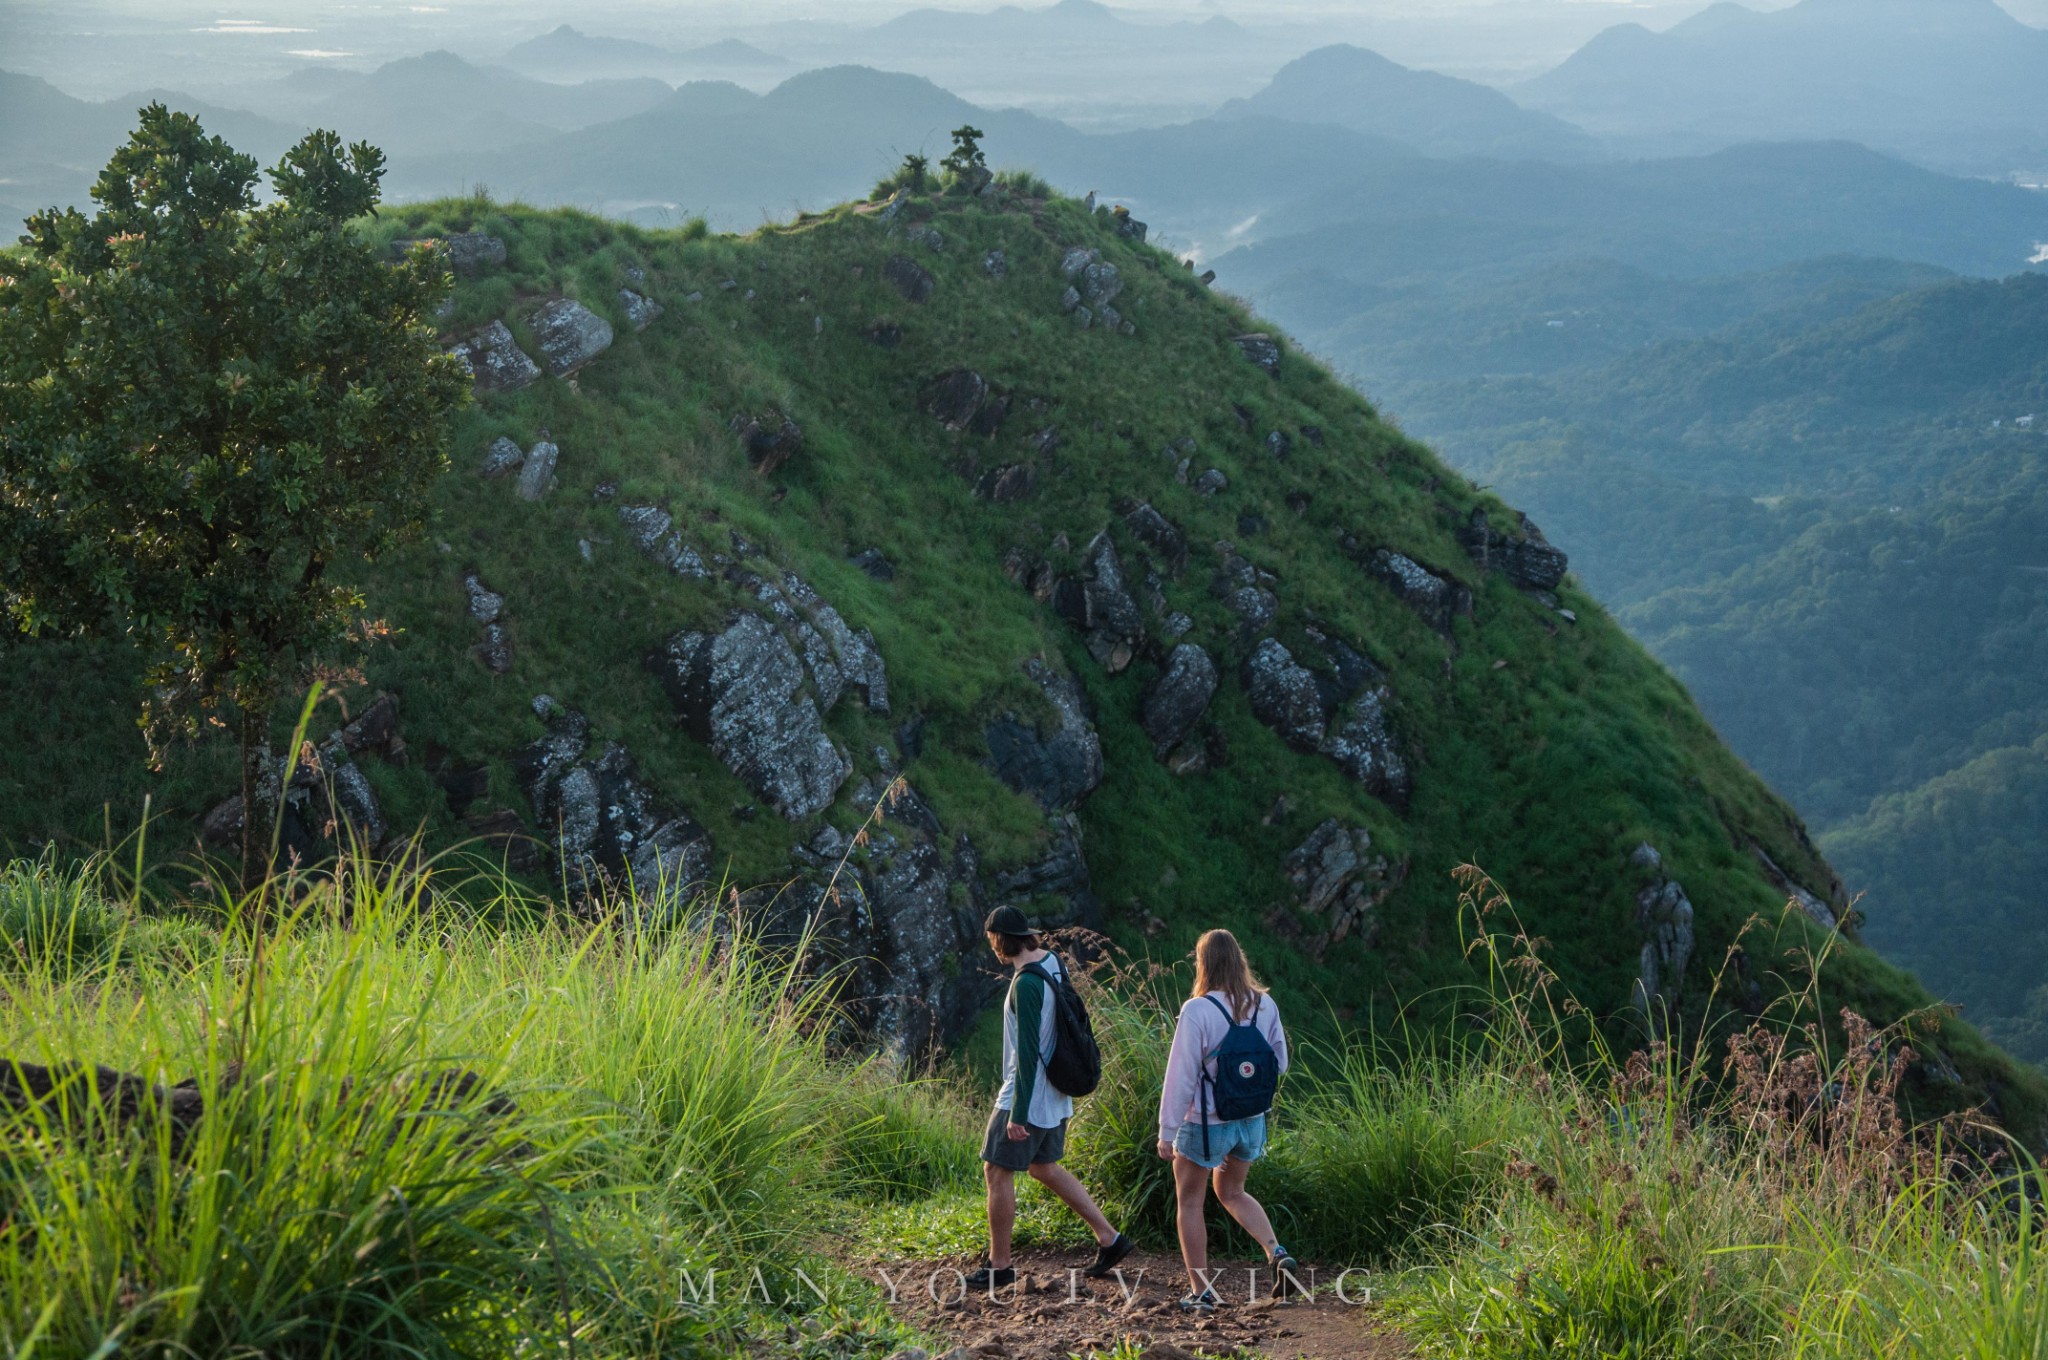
(1541, 748)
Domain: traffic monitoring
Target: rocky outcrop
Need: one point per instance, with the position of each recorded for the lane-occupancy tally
(537, 470)
(741, 691)
(1177, 700)
(1341, 882)
(1437, 599)
(327, 806)
(1125, 225)
(1099, 283)
(653, 531)
(472, 252)
(874, 564)
(909, 278)
(1524, 557)
(641, 311)
(605, 828)
(770, 440)
(487, 607)
(568, 335)
(1211, 482)
(1340, 713)
(1006, 482)
(1099, 605)
(1817, 910)
(1663, 917)
(1060, 767)
(494, 359)
(1261, 348)
(996, 265)
(835, 654)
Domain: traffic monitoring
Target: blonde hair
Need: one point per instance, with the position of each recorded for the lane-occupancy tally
(1220, 966)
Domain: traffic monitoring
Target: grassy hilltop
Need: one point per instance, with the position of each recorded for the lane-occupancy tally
(1541, 742)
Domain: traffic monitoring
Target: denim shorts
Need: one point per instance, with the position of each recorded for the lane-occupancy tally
(1244, 1139)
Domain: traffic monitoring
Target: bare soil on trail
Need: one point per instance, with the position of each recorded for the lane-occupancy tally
(1053, 1313)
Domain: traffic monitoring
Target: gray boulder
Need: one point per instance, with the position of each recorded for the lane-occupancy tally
(1100, 283)
(1178, 698)
(472, 252)
(485, 604)
(537, 472)
(1211, 482)
(1246, 592)
(1363, 745)
(569, 335)
(996, 265)
(1077, 259)
(1524, 556)
(641, 311)
(1061, 767)
(770, 440)
(501, 457)
(908, 278)
(741, 691)
(1127, 226)
(1006, 482)
(955, 396)
(1156, 532)
(1285, 697)
(1437, 599)
(1070, 299)
(495, 651)
(1664, 917)
(494, 359)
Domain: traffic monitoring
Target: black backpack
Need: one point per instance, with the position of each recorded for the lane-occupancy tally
(1074, 1067)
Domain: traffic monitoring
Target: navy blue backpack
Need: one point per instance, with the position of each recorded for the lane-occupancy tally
(1247, 1073)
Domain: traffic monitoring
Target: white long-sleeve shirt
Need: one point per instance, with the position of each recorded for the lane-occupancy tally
(1195, 1039)
(1027, 1094)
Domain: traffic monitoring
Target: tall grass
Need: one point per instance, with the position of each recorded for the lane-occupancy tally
(421, 1135)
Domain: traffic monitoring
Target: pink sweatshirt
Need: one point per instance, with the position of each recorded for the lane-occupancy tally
(1195, 1039)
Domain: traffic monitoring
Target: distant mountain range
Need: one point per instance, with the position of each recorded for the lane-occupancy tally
(1437, 115)
(565, 54)
(1959, 84)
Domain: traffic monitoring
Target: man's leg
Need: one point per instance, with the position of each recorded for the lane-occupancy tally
(1191, 1191)
(1074, 1195)
(1002, 1212)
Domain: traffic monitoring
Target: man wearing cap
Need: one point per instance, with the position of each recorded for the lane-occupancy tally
(1028, 1131)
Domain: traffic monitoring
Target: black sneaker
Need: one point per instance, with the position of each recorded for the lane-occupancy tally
(1283, 1265)
(1204, 1302)
(989, 1279)
(1106, 1258)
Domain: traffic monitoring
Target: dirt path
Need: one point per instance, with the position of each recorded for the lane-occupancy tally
(1052, 1313)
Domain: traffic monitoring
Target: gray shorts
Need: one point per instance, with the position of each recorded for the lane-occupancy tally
(1021, 1154)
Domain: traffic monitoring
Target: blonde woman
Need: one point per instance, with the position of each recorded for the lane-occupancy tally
(1228, 1053)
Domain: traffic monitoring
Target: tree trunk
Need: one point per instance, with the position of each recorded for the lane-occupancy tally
(258, 813)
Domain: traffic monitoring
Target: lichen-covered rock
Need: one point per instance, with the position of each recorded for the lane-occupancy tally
(641, 310)
(1363, 745)
(568, 335)
(495, 651)
(653, 531)
(1246, 592)
(1077, 259)
(1340, 880)
(996, 265)
(1437, 599)
(494, 359)
(1100, 282)
(1059, 768)
(1279, 445)
(741, 691)
(501, 457)
(472, 252)
(1178, 698)
(1211, 482)
(1284, 696)
(485, 604)
(1006, 482)
(1524, 557)
(1070, 299)
(537, 471)
(1099, 604)
(604, 827)
(909, 278)
(1261, 348)
(1664, 916)
(1127, 226)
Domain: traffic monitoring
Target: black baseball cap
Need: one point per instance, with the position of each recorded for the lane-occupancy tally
(1008, 920)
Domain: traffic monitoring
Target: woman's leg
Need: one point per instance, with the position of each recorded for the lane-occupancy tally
(1191, 1189)
(1249, 1213)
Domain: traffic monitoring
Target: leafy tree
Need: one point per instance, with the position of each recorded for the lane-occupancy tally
(965, 159)
(210, 412)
